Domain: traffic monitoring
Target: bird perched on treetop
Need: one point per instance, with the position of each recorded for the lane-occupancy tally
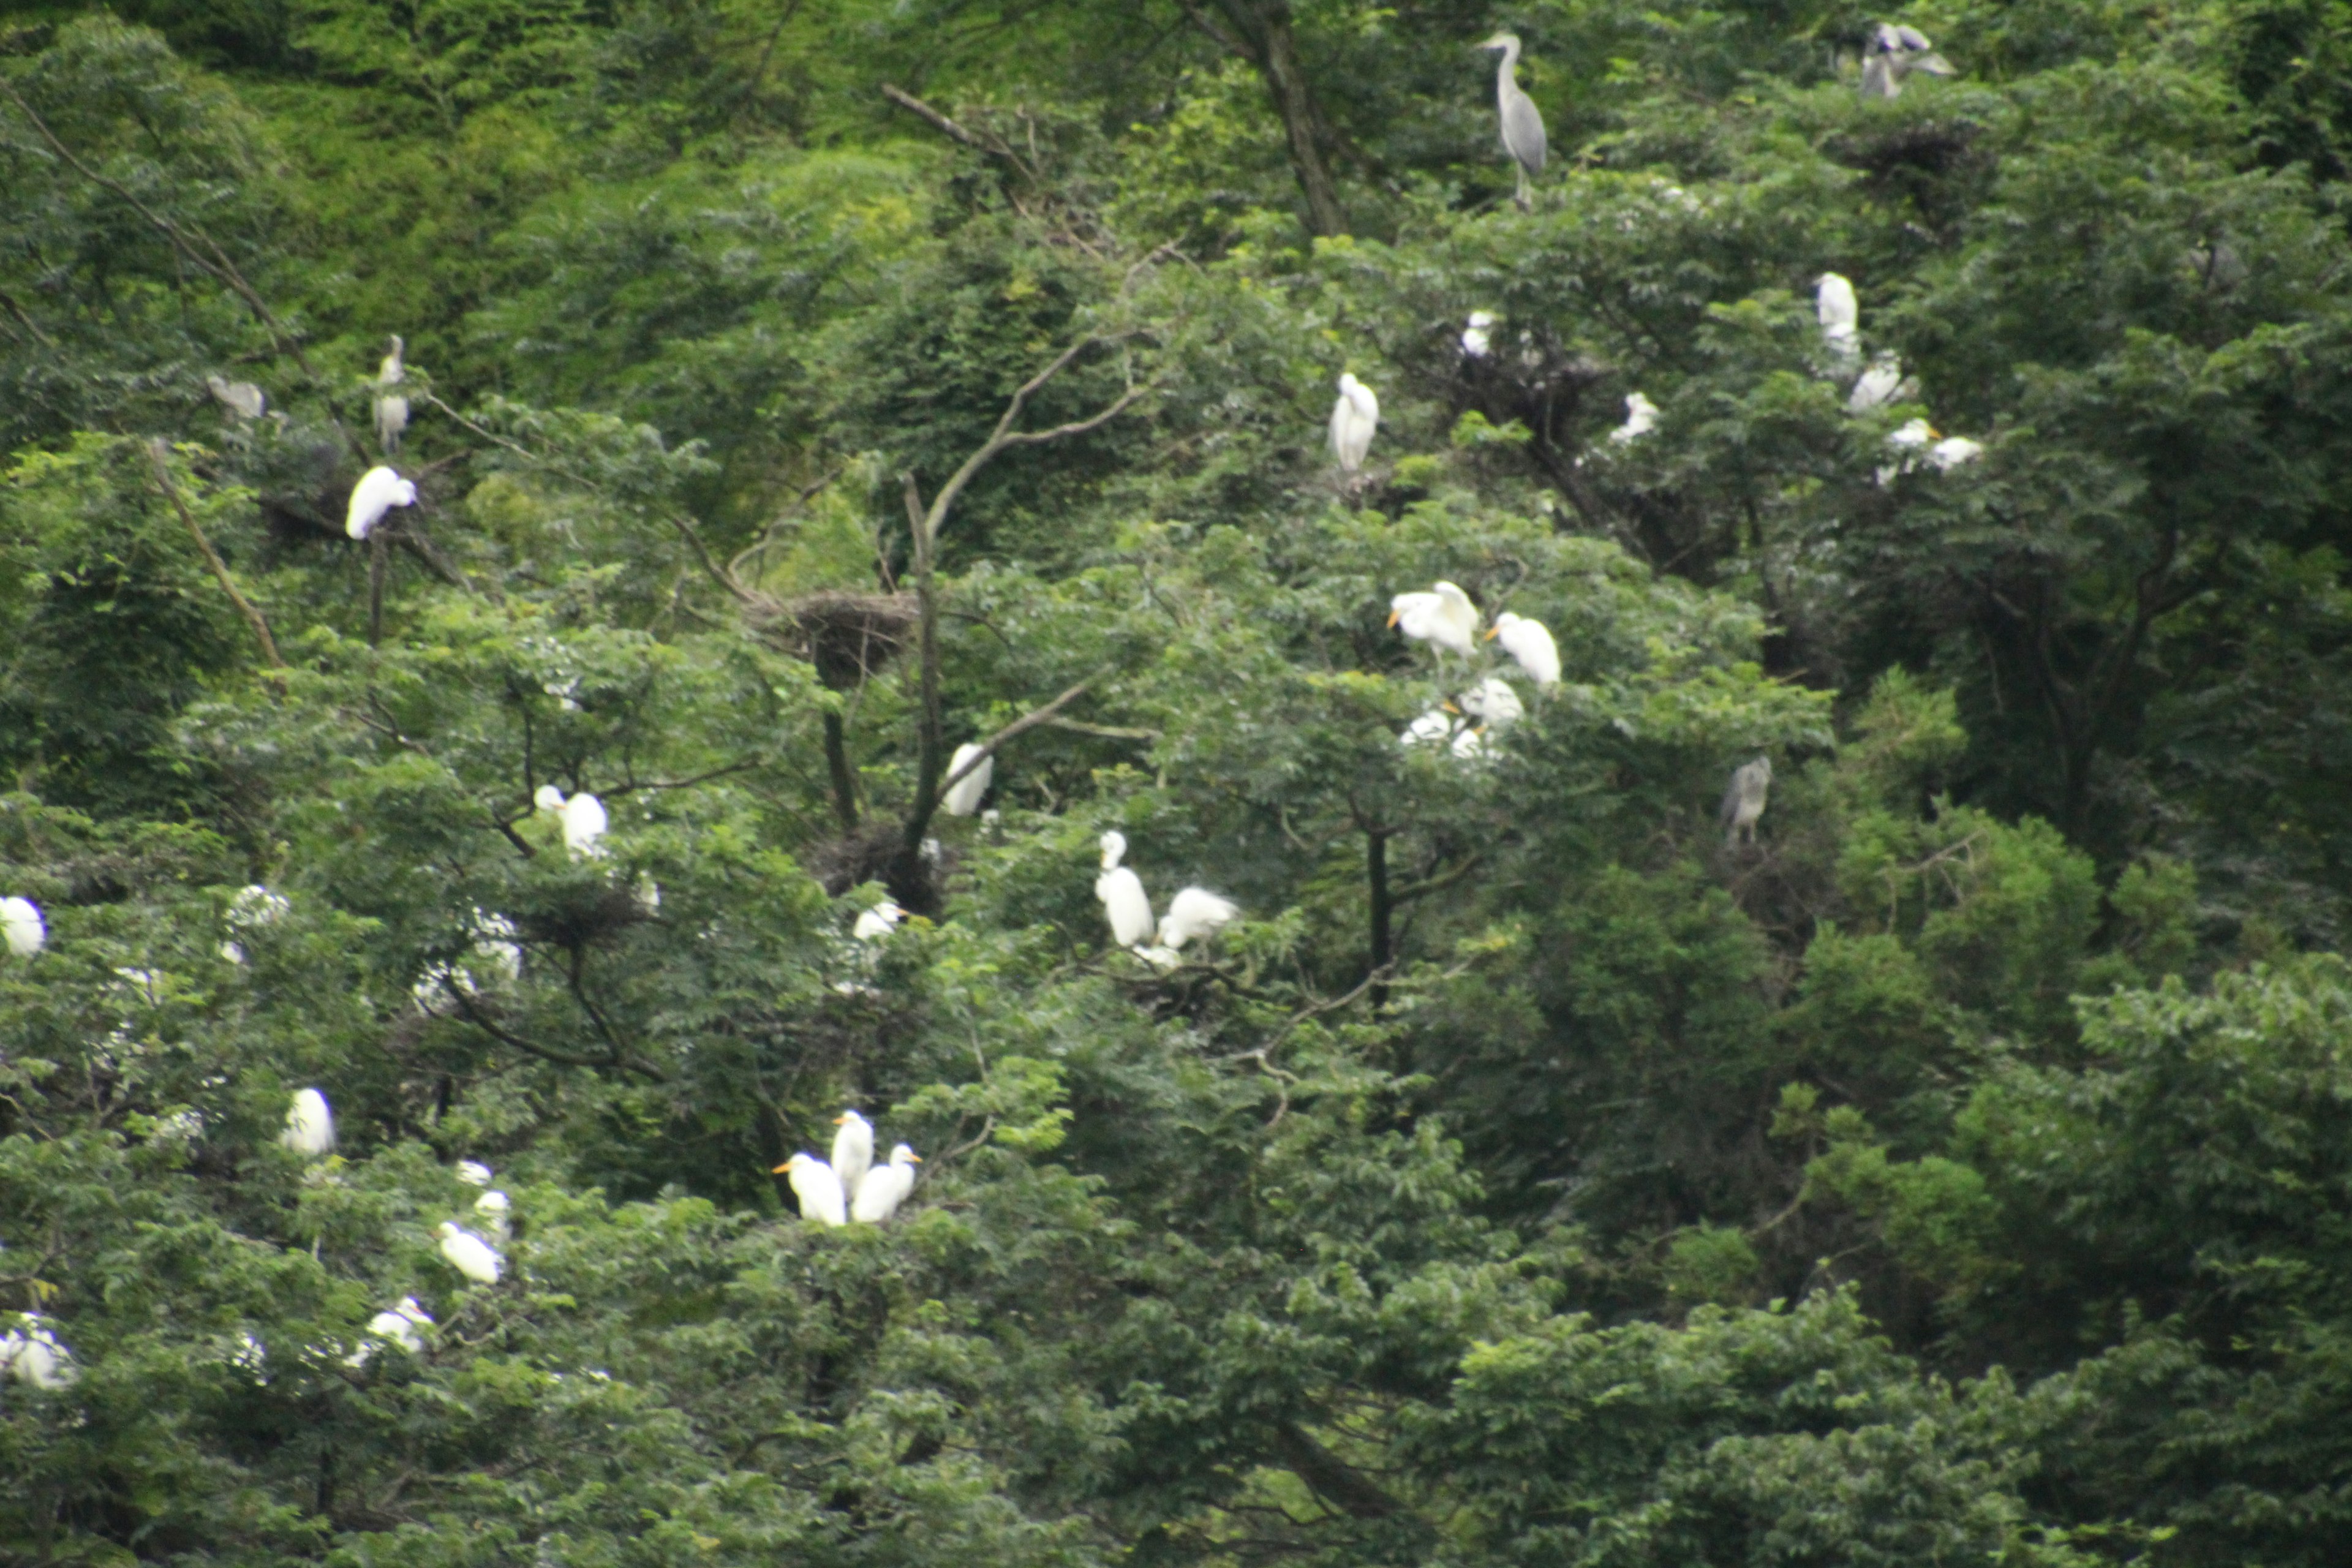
(22, 928)
(468, 1254)
(1893, 52)
(1743, 802)
(1443, 615)
(1520, 121)
(853, 1150)
(1529, 642)
(885, 1188)
(309, 1125)
(1353, 419)
(1640, 418)
(1839, 313)
(242, 399)
(379, 491)
(818, 1189)
(1124, 901)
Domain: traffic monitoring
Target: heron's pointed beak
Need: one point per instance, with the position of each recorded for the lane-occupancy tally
(1395, 616)
(779, 1170)
(1450, 708)
(1492, 633)
(840, 1118)
(917, 1158)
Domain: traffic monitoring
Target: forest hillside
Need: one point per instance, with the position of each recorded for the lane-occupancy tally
(1576, 770)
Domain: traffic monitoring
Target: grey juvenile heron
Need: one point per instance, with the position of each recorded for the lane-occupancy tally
(391, 407)
(242, 399)
(1893, 52)
(1743, 802)
(1522, 123)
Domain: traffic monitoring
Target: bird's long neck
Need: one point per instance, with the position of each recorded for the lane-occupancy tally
(1502, 79)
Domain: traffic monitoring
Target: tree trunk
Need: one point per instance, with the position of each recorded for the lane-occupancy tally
(844, 782)
(1261, 34)
(1376, 875)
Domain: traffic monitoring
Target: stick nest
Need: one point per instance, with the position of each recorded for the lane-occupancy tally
(848, 637)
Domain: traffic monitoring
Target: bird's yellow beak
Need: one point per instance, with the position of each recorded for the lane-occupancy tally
(917, 1158)
(1449, 708)
(1492, 633)
(840, 1118)
(779, 1170)
(1395, 616)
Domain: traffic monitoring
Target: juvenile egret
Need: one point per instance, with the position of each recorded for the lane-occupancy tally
(22, 928)
(379, 491)
(1195, 912)
(1914, 437)
(1495, 703)
(309, 1125)
(468, 1254)
(583, 825)
(32, 1355)
(1839, 313)
(1443, 615)
(242, 399)
(473, 1172)
(818, 1189)
(1893, 52)
(1952, 452)
(962, 797)
(1882, 383)
(1434, 726)
(1640, 418)
(493, 1208)
(1354, 417)
(1743, 802)
(853, 1150)
(1529, 642)
(878, 922)
(1476, 342)
(397, 1325)
(391, 407)
(1521, 122)
(546, 797)
(885, 1188)
(1122, 896)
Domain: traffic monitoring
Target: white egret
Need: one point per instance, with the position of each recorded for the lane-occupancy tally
(962, 797)
(546, 797)
(1893, 52)
(1434, 726)
(1443, 615)
(853, 1150)
(1195, 911)
(1743, 802)
(391, 407)
(468, 1254)
(1529, 642)
(379, 491)
(1121, 892)
(22, 928)
(473, 1172)
(818, 1189)
(1839, 313)
(1640, 418)
(397, 1325)
(1354, 417)
(1520, 121)
(878, 922)
(493, 1207)
(583, 825)
(242, 399)
(32, 1354)
(1882, 383)
(1911, 438)
(1494, 701)
(309, 1125)
(1476, 339)
(1952, 452)
(885, 1188)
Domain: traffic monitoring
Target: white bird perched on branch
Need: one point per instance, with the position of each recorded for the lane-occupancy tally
(22, 928)
(379, 491)
(1443, 615)
(391, 407)
(1195, 912)
(1952, 452)
(1354, 417)
(878, 922)
(493, 1207)
(309, 1125)
(473, 1172)
(962, 797)
(853, 1150)
(1893, 52)
(583, 816)
(1494, 701)
(1521, 122)
(818, 1189)
(1529, 642)
(1640, 418)
(468, 1254)
(1121, 891)
(242, 399)
(1476, 340)
(885, 1188)
(32, 1354)
(396, 1325)
(1882, 383)
(1839, 313)
(1743, 802)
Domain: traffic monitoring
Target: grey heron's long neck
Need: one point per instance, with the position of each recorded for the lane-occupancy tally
(1503, 80)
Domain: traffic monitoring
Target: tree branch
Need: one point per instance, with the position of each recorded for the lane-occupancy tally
(1028, 721)
(157, 453)
(1332, 1478)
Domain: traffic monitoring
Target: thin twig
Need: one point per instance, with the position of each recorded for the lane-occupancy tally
(157, 453)
(1028, 721)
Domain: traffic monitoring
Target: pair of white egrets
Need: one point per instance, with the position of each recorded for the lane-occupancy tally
(851, 1187)
(1192, 912)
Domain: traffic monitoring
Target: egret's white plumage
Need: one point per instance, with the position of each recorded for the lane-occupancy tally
(22, 928)
(1952, 452)
(1743, 802)
(1839, 313)
(583, 825)
(1354, 417)
(1476, 339)
(473, 1172)
(399, 1325)
(885, 1188)
(1195, 911)
(1494, 701)
(1121, 891)
(878, 922)
(1882, 383)
(468, 1254)
(546, 797)
(853, 1150)
(1443, 615)
(962, 797)
(1640, 418)
(1529, 642)
(32, 1354)
(379, 491)
(818, 1189)
(1433, 727)
(493, 1207)
(309, 1125)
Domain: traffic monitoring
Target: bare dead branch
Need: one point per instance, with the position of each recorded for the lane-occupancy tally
(157, 454)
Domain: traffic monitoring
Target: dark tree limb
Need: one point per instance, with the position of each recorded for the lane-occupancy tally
(1331, 1478)
(158, 455)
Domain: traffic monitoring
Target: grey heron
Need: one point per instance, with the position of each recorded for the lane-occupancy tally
(1743, 802)
(1893, 52)
(1522, 122)
(391, 407)
(242, 399)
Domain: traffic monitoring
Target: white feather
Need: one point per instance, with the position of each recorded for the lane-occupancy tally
(885, 1188)
(379, 491)
(963, 797)
(469, 1255)
(309, 1125)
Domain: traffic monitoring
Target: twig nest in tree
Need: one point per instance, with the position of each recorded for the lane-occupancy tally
(847, 636)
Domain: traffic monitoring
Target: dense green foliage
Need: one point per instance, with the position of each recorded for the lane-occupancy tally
(1959, 1172)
